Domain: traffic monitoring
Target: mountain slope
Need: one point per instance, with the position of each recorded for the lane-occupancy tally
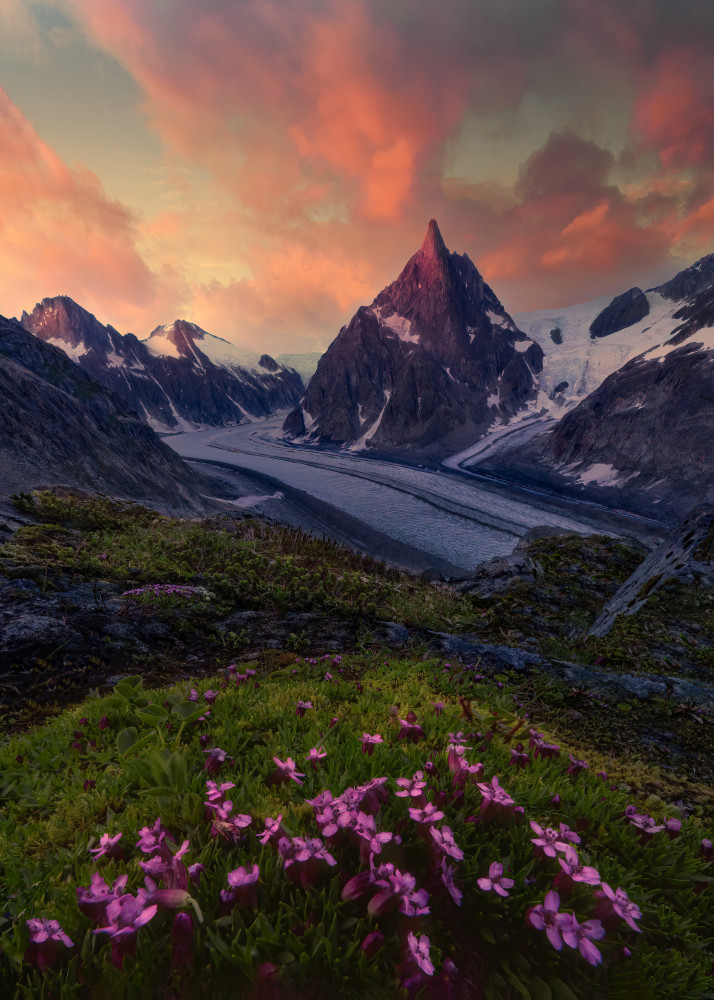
(59, 426)
(432, 362)
(179, 378)
(643, 436)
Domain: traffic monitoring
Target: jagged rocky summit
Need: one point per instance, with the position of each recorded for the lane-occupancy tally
(179, 378)
(427, 367)
(59, 426)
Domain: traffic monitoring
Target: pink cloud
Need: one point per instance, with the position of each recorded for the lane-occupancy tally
(61, 233)
(674, 110)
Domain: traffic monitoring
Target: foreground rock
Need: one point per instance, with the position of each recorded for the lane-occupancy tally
(687, 558)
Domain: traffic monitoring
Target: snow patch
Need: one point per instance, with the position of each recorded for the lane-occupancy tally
(161, 347)
(602, 474)
(75, 353)
(399, 325)
(372, 430)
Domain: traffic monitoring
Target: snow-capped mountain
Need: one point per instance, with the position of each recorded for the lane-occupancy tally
(179, 378)
(642, 433)
(58, 425)
(427, 366)
(304, 364)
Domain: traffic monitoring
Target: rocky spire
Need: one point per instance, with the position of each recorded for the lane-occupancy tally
(433, 247)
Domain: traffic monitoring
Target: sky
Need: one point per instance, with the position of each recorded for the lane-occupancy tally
(263, 167)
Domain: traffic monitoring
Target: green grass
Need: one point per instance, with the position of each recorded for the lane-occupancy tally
(246, 563)
(312, 936)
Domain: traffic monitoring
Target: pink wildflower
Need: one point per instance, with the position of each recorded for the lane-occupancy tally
(496, 881)
(410, 729)
(46, 936)
(419, 952)
(545, 917)
(243, 887)
(302, 707)
(226, 825)
(93, 901)
(397, 890)
(124, 917)
(217, 793)
(548, 841)
(581, 936)
(316, 754)
(286, 771)
(573, 871)
(444, 842)
(496, 800)
(215, 757)
(411, 787)
(272, 832)
(210, 696)
(303, 857)
(576, 766)
(428, 814)
(616, 905)
(108, 847)
(370, 742)
(372, 943)
(447, 878)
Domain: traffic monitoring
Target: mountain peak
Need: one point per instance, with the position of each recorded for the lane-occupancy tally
(433, 245)
(60, 319)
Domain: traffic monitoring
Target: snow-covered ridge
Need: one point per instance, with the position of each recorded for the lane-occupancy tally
(585, 363)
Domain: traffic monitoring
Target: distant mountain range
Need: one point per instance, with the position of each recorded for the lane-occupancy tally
(179, 378)
(59, 426)
(426, 367)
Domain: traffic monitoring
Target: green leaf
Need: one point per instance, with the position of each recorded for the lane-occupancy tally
(153, 714)
(158, 792)
(187, 711)
(176, 770)
(127, 738)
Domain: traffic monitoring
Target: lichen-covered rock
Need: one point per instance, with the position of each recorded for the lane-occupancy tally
(687, 557)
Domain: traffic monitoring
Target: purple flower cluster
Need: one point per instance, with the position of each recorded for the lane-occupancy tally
(120, 914)
(224, 822)
(564, 927)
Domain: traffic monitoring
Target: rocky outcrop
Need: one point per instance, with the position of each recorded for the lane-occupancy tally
(180, 377)
(686, 284)
(60, 426)
(429, 365)
(686, 558)
(623, 311)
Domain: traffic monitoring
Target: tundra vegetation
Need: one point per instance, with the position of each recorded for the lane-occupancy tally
(363, 822)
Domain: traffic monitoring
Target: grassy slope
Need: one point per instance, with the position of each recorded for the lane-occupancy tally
(49, 820)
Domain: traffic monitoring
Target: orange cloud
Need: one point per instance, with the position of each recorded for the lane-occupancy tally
(273, 97)
(674, 111)
(61, 233)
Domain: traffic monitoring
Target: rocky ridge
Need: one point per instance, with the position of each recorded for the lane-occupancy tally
(179, 378)
(58, 425)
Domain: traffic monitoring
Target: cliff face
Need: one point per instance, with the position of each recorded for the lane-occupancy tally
(60, 426)
(429, 365)
(179, 378)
